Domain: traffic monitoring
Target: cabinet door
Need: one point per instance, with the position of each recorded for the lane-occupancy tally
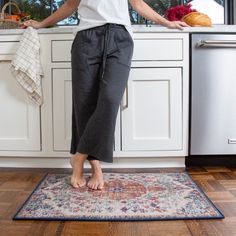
(62, 109)
(62, 104)
(20, 118)
(151, 111)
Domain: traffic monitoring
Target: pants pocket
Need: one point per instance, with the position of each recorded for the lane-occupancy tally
(75, 41)
(125, 55)
(125, 45)
(88, 41)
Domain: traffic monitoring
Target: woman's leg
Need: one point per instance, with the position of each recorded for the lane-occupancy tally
(84, 99)
(112, 87)
(96, 182)
(77, 163)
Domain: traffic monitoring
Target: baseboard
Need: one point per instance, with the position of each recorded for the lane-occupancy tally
(119, 162)
(210, 160)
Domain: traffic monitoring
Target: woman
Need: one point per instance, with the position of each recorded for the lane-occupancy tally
(100, 57)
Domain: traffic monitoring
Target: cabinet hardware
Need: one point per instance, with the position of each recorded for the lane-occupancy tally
(231, 141)
(126, 98)
(216, 43)
(5, 60)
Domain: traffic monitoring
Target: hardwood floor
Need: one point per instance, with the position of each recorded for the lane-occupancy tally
(219, 183)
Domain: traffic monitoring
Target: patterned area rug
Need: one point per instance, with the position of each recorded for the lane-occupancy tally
(125, 197)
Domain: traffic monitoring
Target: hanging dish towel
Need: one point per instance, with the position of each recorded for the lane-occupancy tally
(26, 66)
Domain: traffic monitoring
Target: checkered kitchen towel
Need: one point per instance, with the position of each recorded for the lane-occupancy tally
(26, 66)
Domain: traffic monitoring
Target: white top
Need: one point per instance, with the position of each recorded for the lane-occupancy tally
(99, 12)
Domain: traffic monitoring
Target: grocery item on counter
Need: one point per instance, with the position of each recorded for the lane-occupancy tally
(197, 19)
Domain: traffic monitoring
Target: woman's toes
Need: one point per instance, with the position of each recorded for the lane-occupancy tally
(96, 186)
(92, 186)
(78, 182)
(74, 184)
(89, 185)
(82, 183)
(100, 186)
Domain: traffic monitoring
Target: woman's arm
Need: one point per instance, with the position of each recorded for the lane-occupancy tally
(61, 13)
(146, 11)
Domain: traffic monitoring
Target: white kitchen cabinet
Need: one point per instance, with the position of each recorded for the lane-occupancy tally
(62, 108)
(152, 121)
(151, 112)
(20, 118)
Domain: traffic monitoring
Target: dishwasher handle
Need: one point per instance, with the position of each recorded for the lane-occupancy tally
(216, 43)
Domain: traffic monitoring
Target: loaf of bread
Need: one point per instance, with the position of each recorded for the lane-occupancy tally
(197, 19)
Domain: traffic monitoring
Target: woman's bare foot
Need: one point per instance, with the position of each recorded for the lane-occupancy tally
(77, 163)
(96, 181)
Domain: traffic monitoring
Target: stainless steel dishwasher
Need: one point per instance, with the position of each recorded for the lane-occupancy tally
(213, 94)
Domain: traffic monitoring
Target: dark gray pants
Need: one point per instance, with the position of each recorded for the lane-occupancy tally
(100, 59)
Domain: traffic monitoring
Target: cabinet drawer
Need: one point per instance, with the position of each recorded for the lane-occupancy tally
(60, 50)
(8, 48)
(153, 49)
(164, 49)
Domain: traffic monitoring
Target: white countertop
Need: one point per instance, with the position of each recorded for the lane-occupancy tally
(136, 29)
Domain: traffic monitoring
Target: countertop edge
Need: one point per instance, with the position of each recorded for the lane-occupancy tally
(135, 29)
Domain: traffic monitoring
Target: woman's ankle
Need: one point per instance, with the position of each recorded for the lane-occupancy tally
(80, 156)
(96, 167)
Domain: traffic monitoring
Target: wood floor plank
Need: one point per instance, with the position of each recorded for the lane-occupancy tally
(228, 208)
(217, 169)
(204, 176)
(7, 196)
(233, 192)
(204, 185)
(195, 228)
(46, 228)
(208, 228)
(129, 228)
(221, 196)
(216, 185)
(86, 228)
(216, 227)
(168, 228)
(14, 228)
(230, 223)
(228, 184)
(20, 197)
(224, 175)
